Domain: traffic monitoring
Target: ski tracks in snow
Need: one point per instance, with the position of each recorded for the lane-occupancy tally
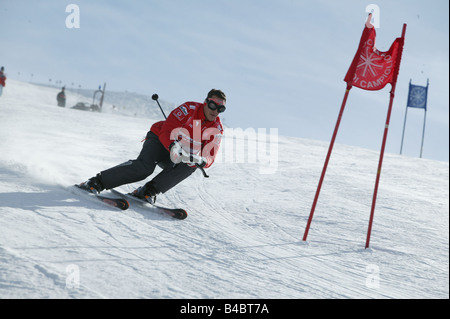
(243, 235)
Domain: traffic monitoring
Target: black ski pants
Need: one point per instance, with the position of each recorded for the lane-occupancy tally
(153, 153)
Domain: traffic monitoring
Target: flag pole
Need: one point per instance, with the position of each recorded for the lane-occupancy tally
(403, 134)
(388, 117)
(380, 162)
(404, 122)
(424, 121)
(423, 132)
(349, 81)
(330, 148)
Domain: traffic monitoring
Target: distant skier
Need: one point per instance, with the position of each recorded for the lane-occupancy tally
(189, 138)
(2, 79)
(61, 98)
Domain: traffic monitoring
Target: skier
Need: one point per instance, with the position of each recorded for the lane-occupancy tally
(189, 138)
(2, 80)
(61, 98)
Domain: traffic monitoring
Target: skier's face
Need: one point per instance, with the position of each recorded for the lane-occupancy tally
(212, 114)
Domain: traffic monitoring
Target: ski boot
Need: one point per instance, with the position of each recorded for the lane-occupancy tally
(147, 192)
(93, 185)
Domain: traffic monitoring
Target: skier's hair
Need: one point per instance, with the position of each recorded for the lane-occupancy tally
(217, 93)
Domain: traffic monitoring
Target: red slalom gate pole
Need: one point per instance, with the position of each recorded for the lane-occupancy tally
(386, 128)
(380, 163)
(330, 149)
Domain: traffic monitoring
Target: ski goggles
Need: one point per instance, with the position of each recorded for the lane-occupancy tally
(214, 104)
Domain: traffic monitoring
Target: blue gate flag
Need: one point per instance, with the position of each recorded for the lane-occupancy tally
(417, 96)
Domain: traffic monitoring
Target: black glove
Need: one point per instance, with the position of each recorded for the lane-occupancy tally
(202, 163)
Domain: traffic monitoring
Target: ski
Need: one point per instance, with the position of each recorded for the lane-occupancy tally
(177, 213)
(120, 203)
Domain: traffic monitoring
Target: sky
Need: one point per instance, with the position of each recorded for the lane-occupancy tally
(281, 63)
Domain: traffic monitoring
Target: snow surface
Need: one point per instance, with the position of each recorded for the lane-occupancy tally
(243, 236)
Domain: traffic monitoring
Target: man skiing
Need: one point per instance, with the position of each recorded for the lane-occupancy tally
(2, 79)
(188, 139)
(61, 98)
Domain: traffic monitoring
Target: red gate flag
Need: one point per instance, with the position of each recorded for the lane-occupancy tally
(372, 69)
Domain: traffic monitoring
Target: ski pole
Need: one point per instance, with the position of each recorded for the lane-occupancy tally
(155, 98)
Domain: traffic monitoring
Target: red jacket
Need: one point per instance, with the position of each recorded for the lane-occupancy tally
(2, 79)
(188, 123)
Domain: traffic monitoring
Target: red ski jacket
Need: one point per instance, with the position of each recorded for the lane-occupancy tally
(2, 79)
(187, 123)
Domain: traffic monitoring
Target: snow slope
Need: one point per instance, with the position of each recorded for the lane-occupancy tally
(243, 236)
